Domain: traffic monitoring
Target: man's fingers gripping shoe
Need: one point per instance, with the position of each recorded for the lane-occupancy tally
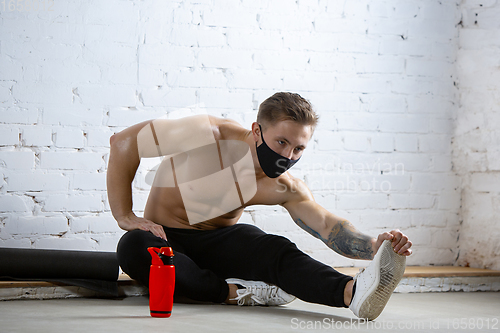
(260, 293)
(375, 283)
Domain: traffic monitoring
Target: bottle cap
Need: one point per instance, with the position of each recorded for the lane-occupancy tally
(167, 251)
(167, 255)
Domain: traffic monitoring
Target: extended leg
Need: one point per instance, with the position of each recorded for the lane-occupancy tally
(246, 252)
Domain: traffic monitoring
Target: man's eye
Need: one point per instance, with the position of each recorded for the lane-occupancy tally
(298, 149)
(281, 142)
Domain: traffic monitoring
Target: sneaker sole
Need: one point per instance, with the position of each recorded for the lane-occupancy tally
(390, 272)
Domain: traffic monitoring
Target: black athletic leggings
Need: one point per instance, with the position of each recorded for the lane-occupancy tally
(205, 258)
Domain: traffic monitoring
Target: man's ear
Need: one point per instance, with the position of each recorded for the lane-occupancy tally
(255, 131)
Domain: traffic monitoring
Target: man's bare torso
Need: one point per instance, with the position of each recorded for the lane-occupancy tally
(165, 205)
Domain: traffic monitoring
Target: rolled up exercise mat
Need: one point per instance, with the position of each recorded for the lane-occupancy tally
(89, 269)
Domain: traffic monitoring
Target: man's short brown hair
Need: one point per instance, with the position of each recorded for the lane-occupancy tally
(286, 106)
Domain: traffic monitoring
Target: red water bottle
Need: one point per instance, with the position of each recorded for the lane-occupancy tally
(161, 281)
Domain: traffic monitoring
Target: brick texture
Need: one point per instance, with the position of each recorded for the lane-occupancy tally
(385, 78)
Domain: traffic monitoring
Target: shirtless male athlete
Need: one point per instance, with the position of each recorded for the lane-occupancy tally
(211, 170)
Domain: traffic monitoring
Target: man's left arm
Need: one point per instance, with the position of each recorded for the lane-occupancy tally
(339, 234)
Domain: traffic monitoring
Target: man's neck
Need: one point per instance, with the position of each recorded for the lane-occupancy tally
(259, 173)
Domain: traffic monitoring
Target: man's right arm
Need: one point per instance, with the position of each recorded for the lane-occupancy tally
(123, 163)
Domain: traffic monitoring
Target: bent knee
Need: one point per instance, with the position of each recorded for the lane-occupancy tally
(131, 239)
(135, 244)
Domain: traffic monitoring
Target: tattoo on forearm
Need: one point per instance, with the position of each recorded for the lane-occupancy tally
(345, 240)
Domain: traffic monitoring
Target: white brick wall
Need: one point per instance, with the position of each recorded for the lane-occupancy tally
(382, 76)
(476, 142)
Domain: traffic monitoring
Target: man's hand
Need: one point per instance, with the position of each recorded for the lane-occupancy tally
(132, 222)
(400, 242)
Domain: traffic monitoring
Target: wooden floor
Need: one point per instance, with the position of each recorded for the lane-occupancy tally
(432, 271)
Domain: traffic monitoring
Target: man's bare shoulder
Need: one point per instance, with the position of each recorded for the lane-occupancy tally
(227, 129)
(293, 189)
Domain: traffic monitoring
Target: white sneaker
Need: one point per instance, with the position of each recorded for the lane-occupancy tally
(375, 283)
(260, 293)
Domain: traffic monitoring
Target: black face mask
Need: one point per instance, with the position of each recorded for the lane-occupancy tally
(272, 163)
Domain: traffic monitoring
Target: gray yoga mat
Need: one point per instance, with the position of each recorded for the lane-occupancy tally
(93, 270)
